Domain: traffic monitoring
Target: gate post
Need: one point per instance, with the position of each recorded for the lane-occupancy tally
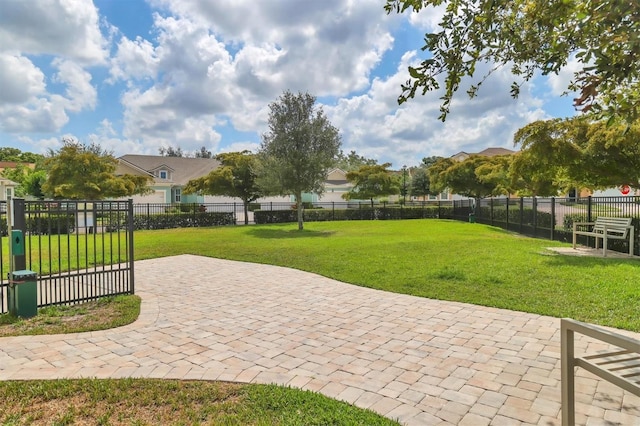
(19, 223)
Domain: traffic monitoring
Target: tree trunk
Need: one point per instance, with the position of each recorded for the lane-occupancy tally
(299, 208)
(246, 211)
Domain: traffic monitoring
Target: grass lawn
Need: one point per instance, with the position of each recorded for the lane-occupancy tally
(439, 259)
(161, 402)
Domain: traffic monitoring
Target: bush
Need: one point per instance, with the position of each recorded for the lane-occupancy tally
(361, 213)
(51, 224)
(182, 220)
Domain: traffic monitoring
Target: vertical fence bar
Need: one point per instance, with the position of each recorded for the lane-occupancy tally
(132, 287)
(553, 218)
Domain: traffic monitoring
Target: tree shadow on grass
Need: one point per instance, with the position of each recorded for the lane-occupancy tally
(288, 233)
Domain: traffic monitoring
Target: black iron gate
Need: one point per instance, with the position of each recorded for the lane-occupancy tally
(80, 250)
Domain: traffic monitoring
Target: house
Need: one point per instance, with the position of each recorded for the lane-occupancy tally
(169, 176)
(7, 189)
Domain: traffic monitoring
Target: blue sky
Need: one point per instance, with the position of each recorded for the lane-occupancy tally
(136, 75)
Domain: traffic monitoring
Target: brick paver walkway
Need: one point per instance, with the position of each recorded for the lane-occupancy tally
(424, 362)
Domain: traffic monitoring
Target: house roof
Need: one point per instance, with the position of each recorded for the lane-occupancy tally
(182, 169)
(490, 152)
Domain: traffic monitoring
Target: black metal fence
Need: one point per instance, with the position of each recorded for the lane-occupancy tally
(551, 218)
(79, 249)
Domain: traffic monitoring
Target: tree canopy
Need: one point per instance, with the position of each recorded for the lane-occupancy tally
(298, 149)
(78, 171)
(370, 182)
(352, 161)
(236, 177)
(533, 37)
(476, 176)
(558, 155)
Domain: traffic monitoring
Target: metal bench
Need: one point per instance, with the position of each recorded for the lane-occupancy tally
(620, 366)
(606, 228)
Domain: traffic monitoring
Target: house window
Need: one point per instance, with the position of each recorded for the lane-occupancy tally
(163, 174)
(444, 195)
(9, 193)
(178, 194)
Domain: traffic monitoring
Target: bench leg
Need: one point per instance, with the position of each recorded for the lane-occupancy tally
(567, 376)
(632, 241)
(604, 245)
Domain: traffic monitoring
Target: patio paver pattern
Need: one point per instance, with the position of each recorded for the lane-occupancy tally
(421, 361)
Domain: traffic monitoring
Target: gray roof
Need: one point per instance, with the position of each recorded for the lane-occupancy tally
(183, 169)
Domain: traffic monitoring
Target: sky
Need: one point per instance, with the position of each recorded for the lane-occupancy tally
(138, 75)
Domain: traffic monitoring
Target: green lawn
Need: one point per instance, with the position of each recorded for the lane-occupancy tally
(439, 259)
(162, 402)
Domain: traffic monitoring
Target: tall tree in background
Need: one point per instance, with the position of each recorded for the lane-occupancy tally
(298, 149)
(170, 151)
(236, 177)
(558, 155)
(78, 171)
(420, 183)
(469, 177)
(352, 161)
(370, 182)
(203, 153)
(533, 37)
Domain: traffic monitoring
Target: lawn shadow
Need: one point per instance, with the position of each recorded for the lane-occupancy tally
(586, 261)
(271, 233)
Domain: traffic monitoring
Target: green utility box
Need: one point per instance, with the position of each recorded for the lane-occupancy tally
(472, 218)
(23, 294)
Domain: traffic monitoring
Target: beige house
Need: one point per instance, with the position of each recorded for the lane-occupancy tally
(7, 189)
(169, 176)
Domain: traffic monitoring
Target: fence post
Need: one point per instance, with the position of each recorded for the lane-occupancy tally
(521, 214)
(534, 202)
(19, 224)
(132, 285)
(491, 209)
(148, 217)
(507, 213)
(553, 217)
(589, 217)
(333, 210)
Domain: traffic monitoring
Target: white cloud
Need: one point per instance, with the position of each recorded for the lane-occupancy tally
(80, 94)
(67, 28)
(375, 126)
(135, 59)
(22, 80)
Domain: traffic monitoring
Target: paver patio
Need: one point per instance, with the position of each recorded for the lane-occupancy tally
(421, 361)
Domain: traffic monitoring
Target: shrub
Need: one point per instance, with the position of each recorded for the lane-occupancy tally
(51, 224)
(360, 213)
(182, 220)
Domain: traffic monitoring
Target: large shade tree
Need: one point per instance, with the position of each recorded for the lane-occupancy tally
(236, 177)
(474, 177)
(371, 182)
(532, 37)
(78, 171)
(299, 148)
(558, 155)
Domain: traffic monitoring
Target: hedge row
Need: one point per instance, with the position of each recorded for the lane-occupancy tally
(363, 213)
(175, 220)
(542, 219)
(46, 224)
